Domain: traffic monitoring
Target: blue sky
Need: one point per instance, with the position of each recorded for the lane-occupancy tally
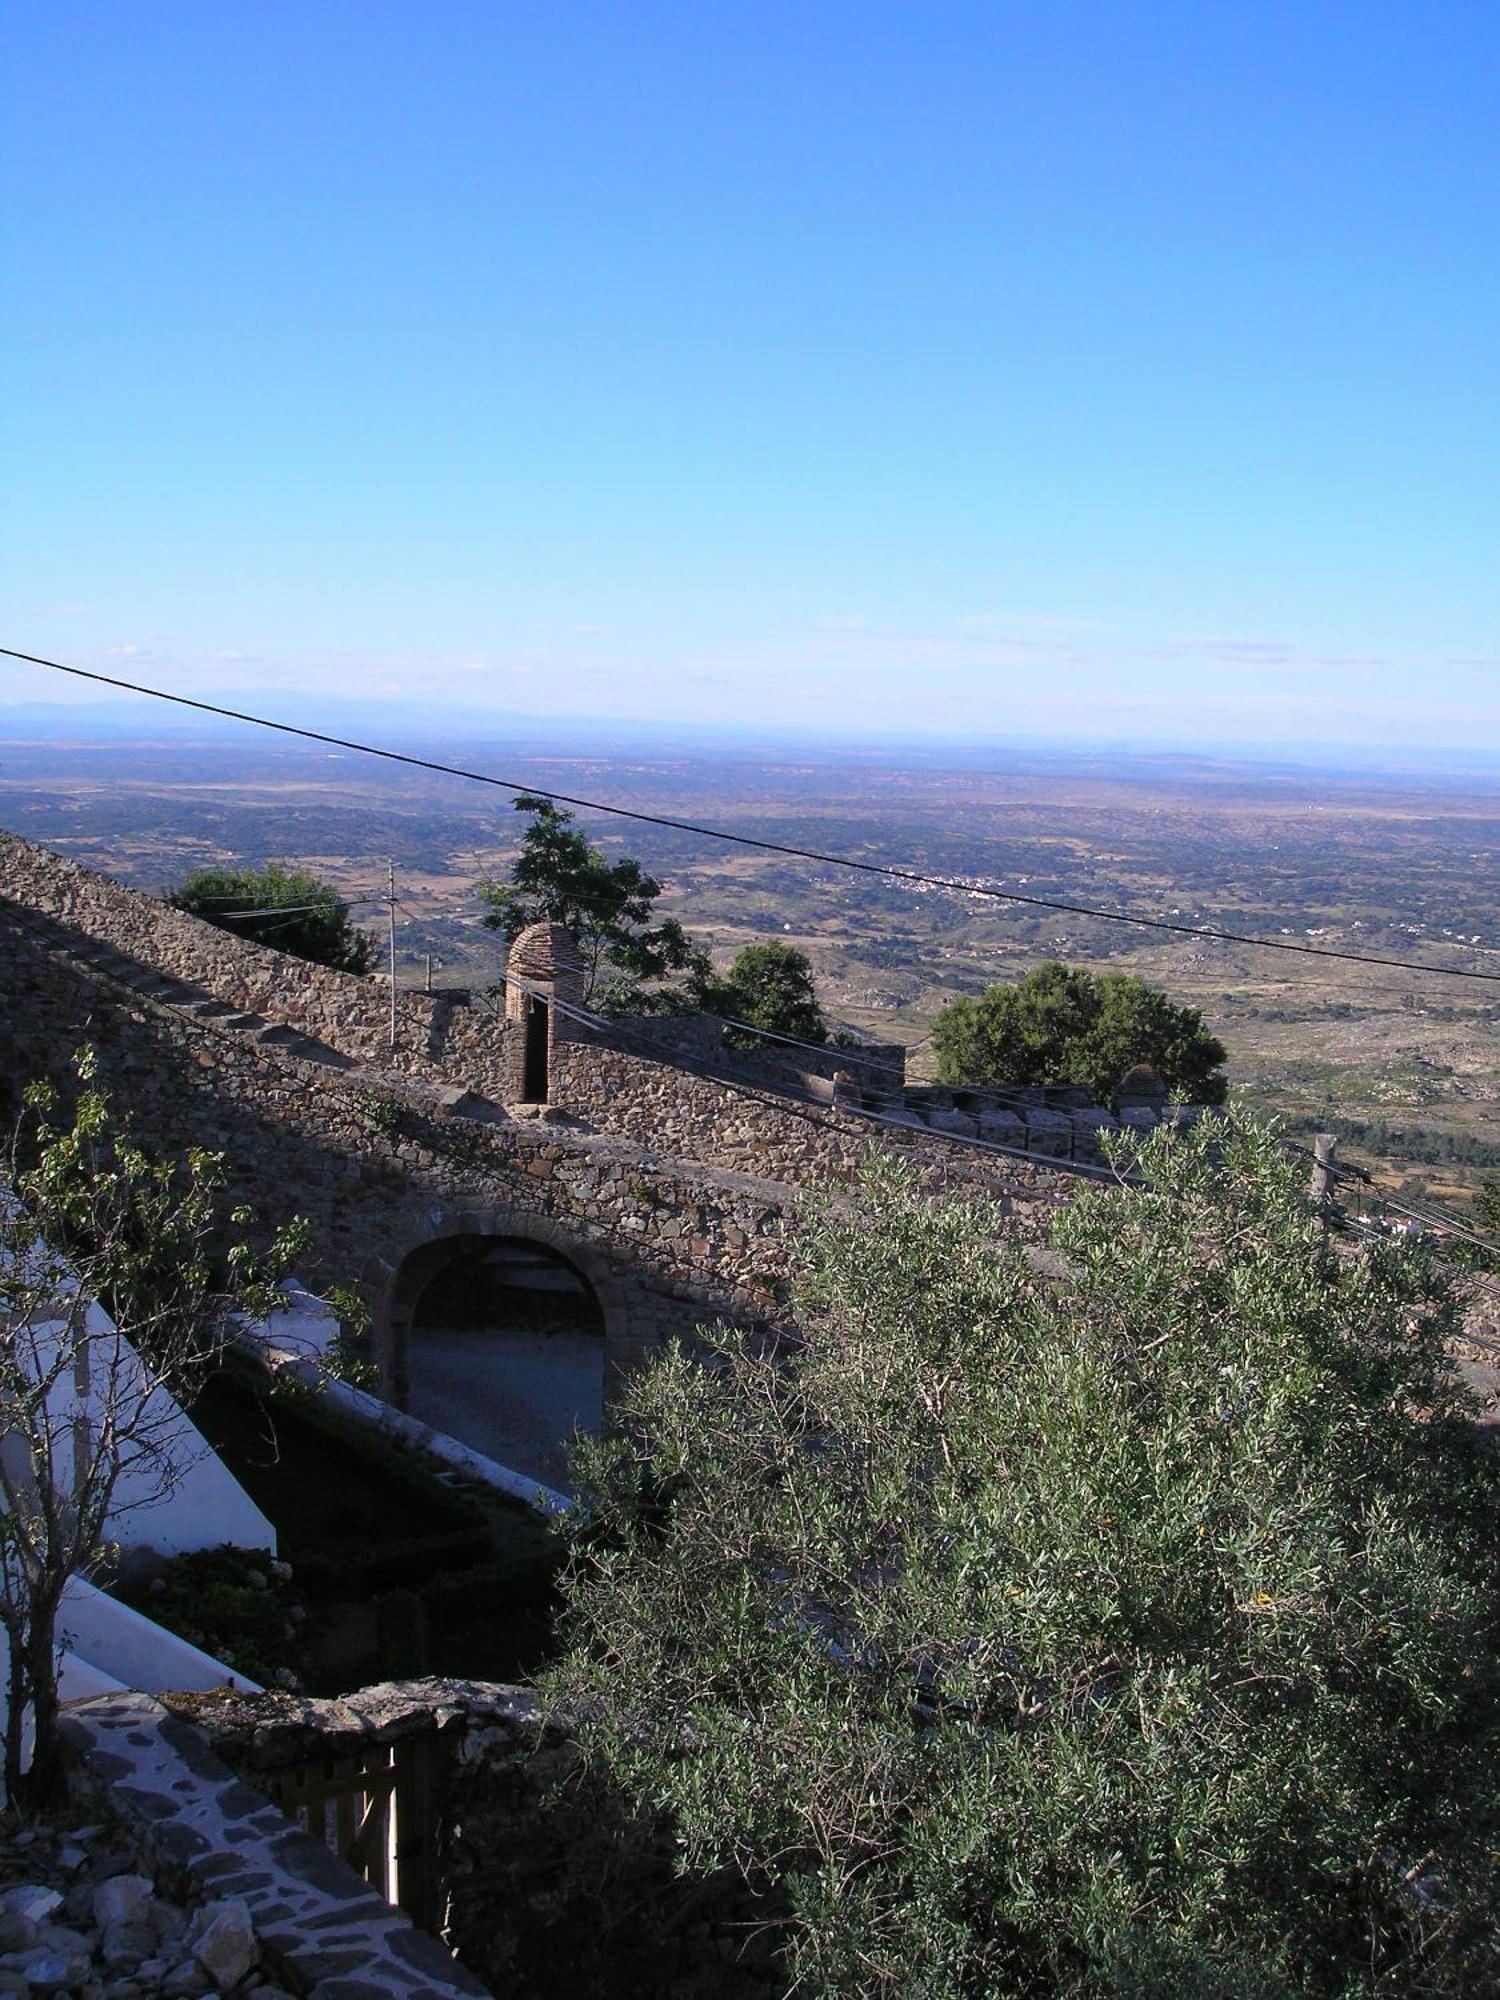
(1097, 370)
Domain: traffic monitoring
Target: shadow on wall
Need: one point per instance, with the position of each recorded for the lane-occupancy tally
(504, 1349)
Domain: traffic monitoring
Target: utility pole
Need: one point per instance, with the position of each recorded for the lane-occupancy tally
(1324, 1173)
(391, 912)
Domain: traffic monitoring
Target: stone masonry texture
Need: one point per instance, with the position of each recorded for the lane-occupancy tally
(679, 1192)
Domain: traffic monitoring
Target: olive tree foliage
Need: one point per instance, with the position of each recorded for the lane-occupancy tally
(88, 1397)
(1064, 1024)
(294, 912)
(560, 877)
(1132, 1632)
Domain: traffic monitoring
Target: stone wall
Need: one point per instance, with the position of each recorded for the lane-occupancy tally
(438, 1039)
(747, 1125)
(669, 1084)
(674, 1190)
(736, 1117)
(381, 1169)
(699, 1038)
(1060, 1121)
(378, 1173)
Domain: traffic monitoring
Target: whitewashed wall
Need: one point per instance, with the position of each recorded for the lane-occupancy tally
(172, 1492)
(204, 1505)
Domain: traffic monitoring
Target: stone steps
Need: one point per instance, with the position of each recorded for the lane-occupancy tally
(168, 991)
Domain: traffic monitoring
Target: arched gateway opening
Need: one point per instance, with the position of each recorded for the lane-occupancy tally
(503, 1344)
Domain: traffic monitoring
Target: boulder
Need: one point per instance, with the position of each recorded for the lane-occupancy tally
(48, 1970)
(1088, 1126)
(123, 1899)
(1003, 1128)
(127, 1944)
(1049, 1133)
(222, 1940)
(1141, 1084)
(16, 1933)
(167, 1920)
(33, 1901)
(186, 1981)
(959, 1123)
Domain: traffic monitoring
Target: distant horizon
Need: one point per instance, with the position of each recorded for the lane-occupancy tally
(125, 721)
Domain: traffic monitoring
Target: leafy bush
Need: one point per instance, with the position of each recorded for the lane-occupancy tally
(1130, 1633)
(303, 915)
(1062, 1024)
(769, 986)
(229, 1602)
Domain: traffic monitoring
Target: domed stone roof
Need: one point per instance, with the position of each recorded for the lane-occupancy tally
(545, 952)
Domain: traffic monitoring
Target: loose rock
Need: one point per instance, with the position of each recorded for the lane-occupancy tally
(223, 1942)
(33, 1901)
(121, 1900)
(125, 1945)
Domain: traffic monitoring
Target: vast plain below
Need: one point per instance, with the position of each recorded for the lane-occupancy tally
(1405, 1065)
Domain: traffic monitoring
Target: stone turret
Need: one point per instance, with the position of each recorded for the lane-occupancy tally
(544, 967)
(546, 955)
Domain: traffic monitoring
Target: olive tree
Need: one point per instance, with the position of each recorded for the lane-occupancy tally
(1125, 1631)
(111, 1309)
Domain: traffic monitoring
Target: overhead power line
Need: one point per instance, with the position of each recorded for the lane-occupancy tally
(887, 870)
(1436, 1219)
(297, 909)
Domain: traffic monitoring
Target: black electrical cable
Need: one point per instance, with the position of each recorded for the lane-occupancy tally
(886, 869)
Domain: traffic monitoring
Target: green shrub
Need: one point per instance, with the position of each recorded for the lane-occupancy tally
(231, 1603)
(384, 1113)
(319, 926)
(768, 986)
(1130, 1633)
(1063, 1024)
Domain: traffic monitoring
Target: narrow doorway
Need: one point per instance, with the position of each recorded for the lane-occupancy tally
(534, 1064)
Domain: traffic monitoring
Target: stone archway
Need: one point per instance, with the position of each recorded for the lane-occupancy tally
(503, 1333)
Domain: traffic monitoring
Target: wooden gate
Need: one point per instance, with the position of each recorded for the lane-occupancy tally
(380, 1811)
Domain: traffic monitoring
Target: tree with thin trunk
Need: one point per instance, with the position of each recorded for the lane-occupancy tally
(111, 1309)
(560, 877)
